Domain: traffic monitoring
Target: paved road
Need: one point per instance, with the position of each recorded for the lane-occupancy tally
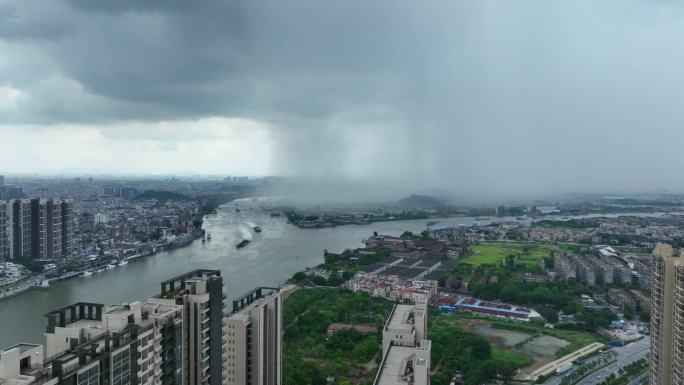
(640, 380)
(624, 355)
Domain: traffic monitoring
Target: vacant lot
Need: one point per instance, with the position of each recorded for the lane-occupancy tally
(500, 337)
(492, 253)
(544, 346)
(535, 344)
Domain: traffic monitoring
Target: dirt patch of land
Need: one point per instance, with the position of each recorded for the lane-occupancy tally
(500, 337)
(543, 346)
(541, 349)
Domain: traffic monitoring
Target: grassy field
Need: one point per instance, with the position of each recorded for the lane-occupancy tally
(518, 359)
(492, 253)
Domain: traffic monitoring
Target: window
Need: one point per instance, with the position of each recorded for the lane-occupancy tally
(121, 367)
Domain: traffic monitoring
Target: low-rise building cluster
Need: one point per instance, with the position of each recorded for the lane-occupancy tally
(493, 309)
(107, 223)
(637, 300)
(400, 278)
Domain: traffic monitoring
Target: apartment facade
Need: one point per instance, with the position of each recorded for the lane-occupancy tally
(174, 338)
(643, 273)
(253, 345)
(46, 229)
(666, 362)
(130, 344)
(21, 227)
(201, 295)
(36, 228)
(591, 269)
(6, 237)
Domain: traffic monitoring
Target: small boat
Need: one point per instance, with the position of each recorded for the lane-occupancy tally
(110, 267)
(208, 236)
(242, 243)
(100, 270)
(123, 262)
(237, 210)
(257, 229)
(276, 214)
(87, 273)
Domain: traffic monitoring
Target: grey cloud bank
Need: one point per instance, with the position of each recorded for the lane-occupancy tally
(466, 95)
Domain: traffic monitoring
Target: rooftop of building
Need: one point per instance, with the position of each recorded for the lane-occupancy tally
(408, 261)
(253, 297)
(401, 318)
(435, 275)
(84, 323)
(478, 304)
(447, 265)
(428, 263)
(394, 370)
(23, 347)
(389, 260)
(372, 267)
(404, 272)
(192, 276)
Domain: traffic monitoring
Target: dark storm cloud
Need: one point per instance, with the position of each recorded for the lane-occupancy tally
(189, 59)
(20, 25)
(483, 94)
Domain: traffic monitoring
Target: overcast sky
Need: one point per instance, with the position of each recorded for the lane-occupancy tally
(489, 95)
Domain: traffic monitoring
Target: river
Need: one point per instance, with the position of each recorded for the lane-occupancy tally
(273, 256)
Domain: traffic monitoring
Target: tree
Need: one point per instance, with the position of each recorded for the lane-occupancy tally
(506, 370)
(627, 311)
(299, 277)
(549, 314)
(30, 264)
(335, 279)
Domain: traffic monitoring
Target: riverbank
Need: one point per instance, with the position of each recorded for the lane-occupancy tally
(37, 281)
(312, 221)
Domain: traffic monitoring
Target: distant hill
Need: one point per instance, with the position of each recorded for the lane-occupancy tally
(421, 201)
(163, 195)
